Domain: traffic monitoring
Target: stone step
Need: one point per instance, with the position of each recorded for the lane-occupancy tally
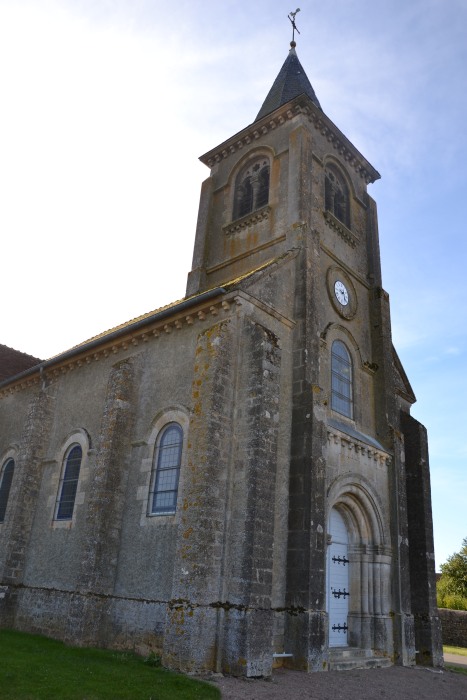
(343, 652)
(347, 658)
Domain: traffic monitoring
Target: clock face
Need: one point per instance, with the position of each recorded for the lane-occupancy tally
(341, 292)
(342, 295)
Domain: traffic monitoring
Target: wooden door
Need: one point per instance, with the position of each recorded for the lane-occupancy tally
(338, 581)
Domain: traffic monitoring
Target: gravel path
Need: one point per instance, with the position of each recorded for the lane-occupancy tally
(394, 683)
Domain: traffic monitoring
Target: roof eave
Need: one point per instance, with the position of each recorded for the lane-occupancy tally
(112, 336)
(301, 105)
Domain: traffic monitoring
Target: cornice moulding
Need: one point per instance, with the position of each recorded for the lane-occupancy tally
(300, 105)
(337, 437)
(247, 220)
(170, 320)
(130, 338)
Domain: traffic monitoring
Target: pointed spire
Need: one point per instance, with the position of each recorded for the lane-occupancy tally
(291, 82)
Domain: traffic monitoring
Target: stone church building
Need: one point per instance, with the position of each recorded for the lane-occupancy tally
(235, 481)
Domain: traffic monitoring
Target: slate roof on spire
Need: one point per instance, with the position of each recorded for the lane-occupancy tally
(291, 82)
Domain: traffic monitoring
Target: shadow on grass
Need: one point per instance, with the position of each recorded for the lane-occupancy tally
(38, 668)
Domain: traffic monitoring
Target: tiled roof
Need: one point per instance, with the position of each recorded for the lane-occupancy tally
(226, 286)
(291, 82)
(128, 324)
(13, 362)
(165, 314)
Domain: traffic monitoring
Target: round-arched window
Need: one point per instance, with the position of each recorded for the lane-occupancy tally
(341, 379)
(166, 471)
(251, 188)
(6, 477)
(336, 195)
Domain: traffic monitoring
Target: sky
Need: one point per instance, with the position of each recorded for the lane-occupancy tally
(106, 106)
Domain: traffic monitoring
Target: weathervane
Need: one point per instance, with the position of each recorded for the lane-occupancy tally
(291, 17)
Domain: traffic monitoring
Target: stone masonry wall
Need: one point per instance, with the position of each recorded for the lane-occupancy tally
(82, 615)
(99, 556)
(454, 627)
(220, 615)
(28, 474)
(192, 613)
(247, 623)
(421, 546)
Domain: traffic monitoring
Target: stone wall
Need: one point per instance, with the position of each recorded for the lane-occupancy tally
(454, 627)
(421, 547)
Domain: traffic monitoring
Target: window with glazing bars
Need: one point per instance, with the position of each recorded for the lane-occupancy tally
(5, 485)
(341, 380)
(69, 484)
(166, 471)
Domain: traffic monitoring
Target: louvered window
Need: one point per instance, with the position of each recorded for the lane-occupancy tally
(337, 196)
(251, 188)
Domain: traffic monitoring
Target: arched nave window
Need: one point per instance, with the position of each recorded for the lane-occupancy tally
(341, 380)
(69, 483)
(6, 478)
(166, 471)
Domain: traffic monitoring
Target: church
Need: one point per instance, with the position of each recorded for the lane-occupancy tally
(234, 481)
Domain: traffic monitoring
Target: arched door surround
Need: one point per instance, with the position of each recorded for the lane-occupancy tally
(353, 504)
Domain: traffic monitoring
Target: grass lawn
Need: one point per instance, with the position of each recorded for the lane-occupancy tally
(37, 668)
(462, 651)
(456, 669)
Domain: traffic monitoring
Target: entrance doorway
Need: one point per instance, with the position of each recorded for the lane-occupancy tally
(338, 581)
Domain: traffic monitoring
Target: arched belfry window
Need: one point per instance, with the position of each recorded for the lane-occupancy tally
(336, 195)
(166, 471)
(341, 380)
(6, 477)
(251, 188)
(69, 483)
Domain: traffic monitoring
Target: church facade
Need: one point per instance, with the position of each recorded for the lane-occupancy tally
(235, 481)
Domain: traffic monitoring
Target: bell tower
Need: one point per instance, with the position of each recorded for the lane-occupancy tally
(286, 216)
(250, 202)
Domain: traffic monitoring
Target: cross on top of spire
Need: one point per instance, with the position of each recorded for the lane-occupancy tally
(291, 81)
(291, 17)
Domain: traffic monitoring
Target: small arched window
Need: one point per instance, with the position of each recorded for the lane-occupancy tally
(337, 196)
(166, 471)
(69, 483)
(341, 380)
(5, 485)
(251, 188)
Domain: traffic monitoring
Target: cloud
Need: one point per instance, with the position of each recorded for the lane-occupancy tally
(455, 351)
(93, 169)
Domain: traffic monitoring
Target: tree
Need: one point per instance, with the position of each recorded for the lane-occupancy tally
(453, 582)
